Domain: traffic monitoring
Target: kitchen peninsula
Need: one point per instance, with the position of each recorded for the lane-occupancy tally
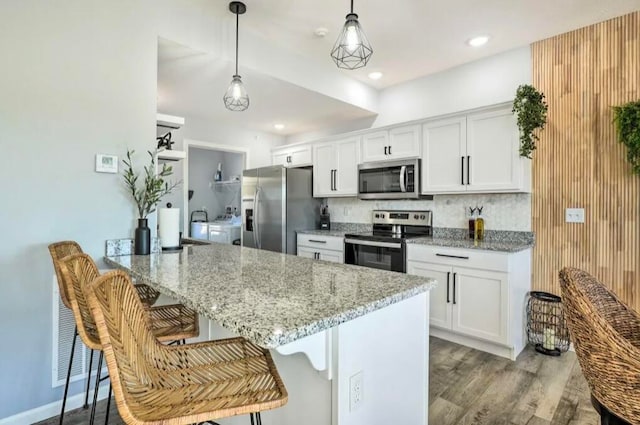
(363, 332)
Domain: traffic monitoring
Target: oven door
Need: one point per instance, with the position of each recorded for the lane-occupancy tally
(374, 254)
(389, 180)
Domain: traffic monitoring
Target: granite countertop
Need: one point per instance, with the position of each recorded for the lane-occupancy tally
(490, 245)
(270, 298)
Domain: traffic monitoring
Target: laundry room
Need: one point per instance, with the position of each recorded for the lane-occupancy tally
(214, 183)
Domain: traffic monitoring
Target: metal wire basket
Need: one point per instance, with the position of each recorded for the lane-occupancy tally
(546, 325)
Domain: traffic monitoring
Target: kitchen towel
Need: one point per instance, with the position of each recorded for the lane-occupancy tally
(169, 227)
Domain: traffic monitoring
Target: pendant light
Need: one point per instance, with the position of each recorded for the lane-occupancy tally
(236, 98)
(352, 49)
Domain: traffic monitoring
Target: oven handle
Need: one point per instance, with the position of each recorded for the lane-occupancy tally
(403, 175)
(374, 243)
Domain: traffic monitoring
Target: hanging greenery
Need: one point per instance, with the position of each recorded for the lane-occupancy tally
(627, 121)
(531, 109)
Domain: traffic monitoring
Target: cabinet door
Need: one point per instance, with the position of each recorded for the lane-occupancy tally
(324, 162)
(347, 154)
(443, 149)
(481, 304)
(441, 296)
(375, 147)
(280, 158)
(331, 256)
(404, 142)
(300, 156)
(492, 147)
(307, 252)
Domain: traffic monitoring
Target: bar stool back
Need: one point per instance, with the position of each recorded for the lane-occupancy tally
(168, 323)
(155, 384)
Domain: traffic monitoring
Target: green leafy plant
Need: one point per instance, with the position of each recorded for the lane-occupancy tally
(627, 121)
(531, 110)
(154, 186)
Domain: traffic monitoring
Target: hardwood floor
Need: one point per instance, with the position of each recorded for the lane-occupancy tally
(467, 387)
(470, 387)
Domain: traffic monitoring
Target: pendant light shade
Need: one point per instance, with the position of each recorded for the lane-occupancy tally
(236, 97)
(352, 49)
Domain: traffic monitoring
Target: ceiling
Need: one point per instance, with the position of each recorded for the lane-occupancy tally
(192, 83)
(411, 38)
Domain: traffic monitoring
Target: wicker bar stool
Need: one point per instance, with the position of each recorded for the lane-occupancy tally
(59, 250)
(167, 323)
(156, 384)
(606, 336)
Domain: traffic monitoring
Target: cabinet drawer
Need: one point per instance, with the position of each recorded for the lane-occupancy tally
(323, 242)
(457, 257)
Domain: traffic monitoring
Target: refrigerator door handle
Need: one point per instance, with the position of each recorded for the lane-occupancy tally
(256, 218)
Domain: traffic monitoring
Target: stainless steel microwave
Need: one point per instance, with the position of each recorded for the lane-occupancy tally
(389, 180)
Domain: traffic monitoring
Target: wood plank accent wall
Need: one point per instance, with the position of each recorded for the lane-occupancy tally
(580, 163)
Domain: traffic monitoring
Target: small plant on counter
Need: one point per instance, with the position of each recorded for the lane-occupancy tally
(153, 187)
(531, 110)
(627, 120)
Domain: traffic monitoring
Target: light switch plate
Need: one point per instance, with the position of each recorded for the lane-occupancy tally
(574, 215)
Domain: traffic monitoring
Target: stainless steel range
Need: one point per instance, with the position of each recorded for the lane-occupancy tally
(385, 247)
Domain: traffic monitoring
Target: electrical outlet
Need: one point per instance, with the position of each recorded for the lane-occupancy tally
(574, 215)
(356, 391)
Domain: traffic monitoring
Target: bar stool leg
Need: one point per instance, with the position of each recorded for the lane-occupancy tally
(97, 387)
(66, 385)
(106, 415)
(86, 394)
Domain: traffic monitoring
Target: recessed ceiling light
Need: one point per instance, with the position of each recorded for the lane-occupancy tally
(278, 126)
(478, 41)
(375, 75)
(321, 32)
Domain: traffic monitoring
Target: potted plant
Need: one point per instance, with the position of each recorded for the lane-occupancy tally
(146, 196)
(627, 121)
(531, 110)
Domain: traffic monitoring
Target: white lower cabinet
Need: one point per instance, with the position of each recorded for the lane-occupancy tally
(326, 248)
(480, 295)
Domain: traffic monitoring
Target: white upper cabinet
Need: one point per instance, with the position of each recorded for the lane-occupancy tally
(493, 160)
(292, 156)
(396, 143)
(474, 153)
(443, 151)
(335, 168)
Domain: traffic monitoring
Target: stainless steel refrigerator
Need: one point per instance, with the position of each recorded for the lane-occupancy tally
(276, 202)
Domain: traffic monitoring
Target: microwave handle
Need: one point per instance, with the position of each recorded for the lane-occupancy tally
(403, 175)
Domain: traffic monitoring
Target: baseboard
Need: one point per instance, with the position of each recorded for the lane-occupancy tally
(52, 409)
(477, 344)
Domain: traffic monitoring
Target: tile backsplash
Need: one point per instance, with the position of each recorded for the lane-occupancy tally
(510, 211)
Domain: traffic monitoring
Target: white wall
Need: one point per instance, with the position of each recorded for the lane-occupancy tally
(484, 82)
(79, 78)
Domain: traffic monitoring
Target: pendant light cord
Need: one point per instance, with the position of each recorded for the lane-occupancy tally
(351, 6)
(237, 20)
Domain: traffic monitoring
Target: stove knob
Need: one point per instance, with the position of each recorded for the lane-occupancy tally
(381, 215)
(422, 217)
(416, 216)
(377, 215)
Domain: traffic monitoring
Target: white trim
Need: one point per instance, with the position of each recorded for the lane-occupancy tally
(47, 411)
(188, 143)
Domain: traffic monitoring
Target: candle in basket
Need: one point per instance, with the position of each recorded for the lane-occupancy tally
(549, 341)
